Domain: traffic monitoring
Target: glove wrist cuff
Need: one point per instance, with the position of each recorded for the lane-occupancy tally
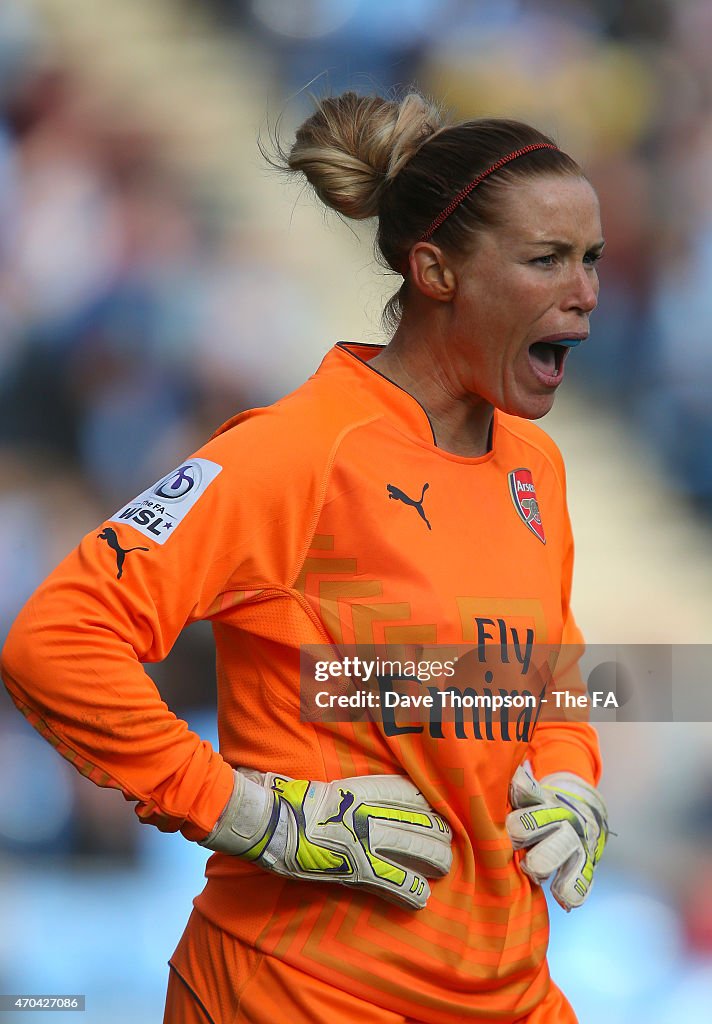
(567, 782)
(245, 815)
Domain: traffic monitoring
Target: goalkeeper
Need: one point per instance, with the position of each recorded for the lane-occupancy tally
(401, 495)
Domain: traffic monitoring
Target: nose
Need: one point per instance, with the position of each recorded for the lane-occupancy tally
(582, 289)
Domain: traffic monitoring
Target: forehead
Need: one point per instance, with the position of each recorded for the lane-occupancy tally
(551, 205)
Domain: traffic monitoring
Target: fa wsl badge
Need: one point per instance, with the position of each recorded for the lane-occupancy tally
(158, 511)
(521, 488)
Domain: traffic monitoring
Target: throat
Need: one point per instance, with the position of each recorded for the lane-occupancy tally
(469, 440)
(460, 426)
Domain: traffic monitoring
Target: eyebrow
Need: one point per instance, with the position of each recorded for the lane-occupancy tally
(565, 247)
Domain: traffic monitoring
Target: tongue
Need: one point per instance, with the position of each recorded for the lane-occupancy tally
(542, 354)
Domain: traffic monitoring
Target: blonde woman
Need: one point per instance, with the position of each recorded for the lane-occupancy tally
(403, 494)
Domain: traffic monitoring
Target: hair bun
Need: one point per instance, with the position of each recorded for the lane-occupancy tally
(352, 146)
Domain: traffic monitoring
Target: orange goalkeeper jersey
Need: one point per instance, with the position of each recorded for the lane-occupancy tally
(310, 522)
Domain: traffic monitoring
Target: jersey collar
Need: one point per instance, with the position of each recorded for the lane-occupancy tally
(352, 358)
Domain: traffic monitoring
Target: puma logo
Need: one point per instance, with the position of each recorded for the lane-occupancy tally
(396, 494)
(347, 798)
(112, 540)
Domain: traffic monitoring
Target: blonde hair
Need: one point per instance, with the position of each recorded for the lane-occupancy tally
(353, 146)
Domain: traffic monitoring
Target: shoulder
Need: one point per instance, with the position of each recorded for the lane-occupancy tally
(298, 434)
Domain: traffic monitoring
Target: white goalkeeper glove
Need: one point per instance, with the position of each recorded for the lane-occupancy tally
(563, 821)
(374, 831)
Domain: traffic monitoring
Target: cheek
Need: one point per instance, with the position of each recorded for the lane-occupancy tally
(501, 312)
(535, 300)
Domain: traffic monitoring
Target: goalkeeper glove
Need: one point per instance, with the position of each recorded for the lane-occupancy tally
(374, 831)
(563, 821)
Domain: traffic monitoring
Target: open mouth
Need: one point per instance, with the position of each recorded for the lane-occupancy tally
(547, 360)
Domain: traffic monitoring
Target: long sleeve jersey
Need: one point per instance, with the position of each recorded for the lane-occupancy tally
(310, 523)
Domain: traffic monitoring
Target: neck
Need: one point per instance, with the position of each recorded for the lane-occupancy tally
(414, 361)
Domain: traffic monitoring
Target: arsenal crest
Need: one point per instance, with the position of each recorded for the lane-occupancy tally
(521, 487)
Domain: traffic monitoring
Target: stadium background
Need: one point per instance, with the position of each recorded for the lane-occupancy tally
(156, 277)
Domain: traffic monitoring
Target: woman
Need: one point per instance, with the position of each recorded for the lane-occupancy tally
(401, 496)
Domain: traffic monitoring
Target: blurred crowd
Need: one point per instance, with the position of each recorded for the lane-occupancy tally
(134, 318)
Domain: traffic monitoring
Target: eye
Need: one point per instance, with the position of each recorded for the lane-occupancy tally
(593, 257)
(545, 261)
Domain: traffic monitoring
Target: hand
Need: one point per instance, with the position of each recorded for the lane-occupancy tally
(563, 821)
(376, 832)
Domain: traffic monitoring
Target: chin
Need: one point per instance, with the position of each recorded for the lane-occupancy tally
(533, 407)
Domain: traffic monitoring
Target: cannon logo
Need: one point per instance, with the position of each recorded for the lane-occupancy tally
(521, 488)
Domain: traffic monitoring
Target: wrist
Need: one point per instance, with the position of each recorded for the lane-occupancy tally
(244, 817)
(565, 782)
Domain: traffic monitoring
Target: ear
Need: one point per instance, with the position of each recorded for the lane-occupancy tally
(431, 272)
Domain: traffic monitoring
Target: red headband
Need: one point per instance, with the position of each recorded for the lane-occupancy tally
(454, 203)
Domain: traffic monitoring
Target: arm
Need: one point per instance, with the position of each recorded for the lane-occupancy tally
(557, 814)
(72, 661)
(73, 665)
(568, 746)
